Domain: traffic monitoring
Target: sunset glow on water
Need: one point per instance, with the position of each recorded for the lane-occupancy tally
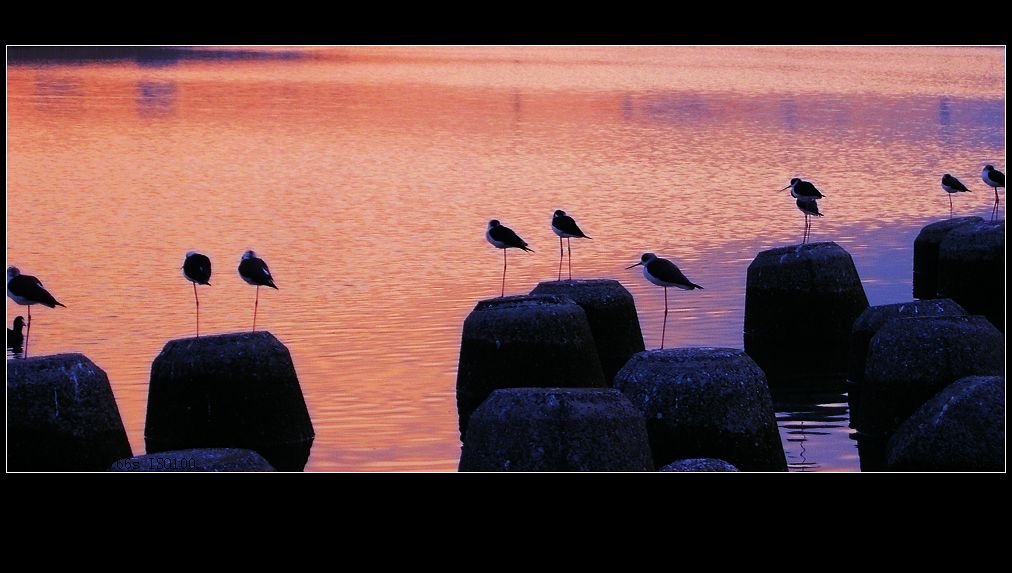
(365, 177)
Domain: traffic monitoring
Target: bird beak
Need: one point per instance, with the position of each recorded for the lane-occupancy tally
(786, 188)
(636, 265)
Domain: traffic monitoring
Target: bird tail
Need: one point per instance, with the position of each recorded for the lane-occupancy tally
(57, 303)
(528, 249)
(819, 215)
(273, 286)
(588, 237)
(695, 286)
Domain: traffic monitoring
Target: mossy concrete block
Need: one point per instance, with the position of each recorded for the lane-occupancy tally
(926, 254)
(971, 269)
(196, 460)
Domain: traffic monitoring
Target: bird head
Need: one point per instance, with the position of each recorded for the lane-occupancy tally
(645, 259)
(559, 213)
(12, 272)
(989, 168)
(190, 253)
(248, 255)
(493, 223)
(794, 182)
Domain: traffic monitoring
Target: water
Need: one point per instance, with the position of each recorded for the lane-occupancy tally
(365, 178)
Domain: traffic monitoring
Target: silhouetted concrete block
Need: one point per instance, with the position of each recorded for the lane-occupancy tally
(530, 341)
(556, 429)
(704, 403)
(229, 391)
(62, 416)
(961, 429)
(869, 323)
(971, 269)
(800, 305)
(611, 312)
(926, 254)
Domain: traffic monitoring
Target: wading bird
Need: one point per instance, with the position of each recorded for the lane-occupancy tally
(502, 237)
(16, 335)
(254, 271)
(27, 290)
(993, 178)
(665, 273)
(952, 185)
(197, 270)
(811, 209)
(566, 228)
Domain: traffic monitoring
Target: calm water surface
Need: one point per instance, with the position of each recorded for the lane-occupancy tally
(365, 177)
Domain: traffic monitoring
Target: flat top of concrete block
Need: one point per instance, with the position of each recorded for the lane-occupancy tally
(914, 324)
(228, 339)
(874, 317)
(974, 235)
(691, 355)
(789, 253)
(584, 289)
(523, 301)
(940, 228)
(24, 370)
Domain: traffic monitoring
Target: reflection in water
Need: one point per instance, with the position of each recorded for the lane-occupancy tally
(814, 427)
(311, 162)
(155, 98)
(944, 113)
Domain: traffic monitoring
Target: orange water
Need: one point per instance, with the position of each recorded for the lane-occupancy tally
(365, 178)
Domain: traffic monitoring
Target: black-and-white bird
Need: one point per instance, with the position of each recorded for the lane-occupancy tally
(16, 335)
(803, 190)
(665, 273)
(254, 271)
(993, 178)
(197, 270)
(566, 228)
(502, 237)
(952, 185)
(27, 290)
(811, 209)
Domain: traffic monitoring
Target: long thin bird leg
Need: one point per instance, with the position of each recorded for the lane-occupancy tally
(29, 333)
(560, 258)
(198, 308)
(950, 205)
(569, 246)
(664, 328)
(256, 303)
(503, 292)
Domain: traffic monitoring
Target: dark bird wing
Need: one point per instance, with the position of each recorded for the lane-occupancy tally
(670, 273)
(506, 235)
(998, 177)
(256, 270)
(806, 189)
(31, 288)
(197, 268)
(567, 225)
(954, 183)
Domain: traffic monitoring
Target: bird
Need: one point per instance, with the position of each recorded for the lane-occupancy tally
(16, 335)
(803, 190)
(197, 269)
(952, 185)
(811, 209)
(566, 228)
(27, 290)
(502, 237)
(993, 178)
(254, 271)
(665, 273)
